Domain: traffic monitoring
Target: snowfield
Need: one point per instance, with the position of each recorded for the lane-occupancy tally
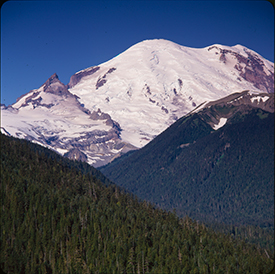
(158, 75)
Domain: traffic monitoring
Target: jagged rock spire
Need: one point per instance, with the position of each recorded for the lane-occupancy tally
(54, 86)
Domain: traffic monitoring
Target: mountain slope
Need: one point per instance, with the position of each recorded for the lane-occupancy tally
(216, 164)
(56, 219)
(155, 82)
(121, 105)
(53, 117)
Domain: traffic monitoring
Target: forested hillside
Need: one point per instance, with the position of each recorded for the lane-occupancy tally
(59, 218)
(224, 175)
(224, 178)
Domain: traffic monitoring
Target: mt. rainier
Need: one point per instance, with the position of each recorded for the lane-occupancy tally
(124, 103)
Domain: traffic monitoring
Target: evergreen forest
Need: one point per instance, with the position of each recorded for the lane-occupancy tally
(220, 177)
(62, 216)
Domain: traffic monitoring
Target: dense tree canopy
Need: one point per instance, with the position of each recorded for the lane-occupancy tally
(57, 217)
(224, 175)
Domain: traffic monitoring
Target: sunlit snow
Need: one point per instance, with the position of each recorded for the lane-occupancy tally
(221, 123)
(259, 98)
(158, 65)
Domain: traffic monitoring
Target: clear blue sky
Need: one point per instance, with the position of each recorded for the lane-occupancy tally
(39, 38)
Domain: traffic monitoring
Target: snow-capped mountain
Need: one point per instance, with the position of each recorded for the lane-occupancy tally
(53, 117)
(124, 103)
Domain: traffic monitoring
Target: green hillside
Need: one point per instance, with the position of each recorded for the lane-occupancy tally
(223, 176)
(56, 218)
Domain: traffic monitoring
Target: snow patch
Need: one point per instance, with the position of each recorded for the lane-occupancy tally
(259, 98)
(221, 123)
(61, 151)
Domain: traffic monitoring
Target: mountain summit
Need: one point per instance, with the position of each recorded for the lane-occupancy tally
(124, 103)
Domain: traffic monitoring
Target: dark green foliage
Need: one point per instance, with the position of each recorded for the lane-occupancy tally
(57, 219)
(213, 176)
(84, 167)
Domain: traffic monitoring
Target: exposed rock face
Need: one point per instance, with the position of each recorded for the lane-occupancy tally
(76, 154)
(251, 68)
(75, 79)
(54, 86)
(102, 80)
(253, 71)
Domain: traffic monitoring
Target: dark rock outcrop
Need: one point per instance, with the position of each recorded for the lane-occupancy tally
(75, 79)
(102, 80)
(54, 86)
(76, 154)
(250, 68)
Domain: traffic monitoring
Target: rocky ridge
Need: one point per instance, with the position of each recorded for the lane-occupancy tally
(53, 117)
